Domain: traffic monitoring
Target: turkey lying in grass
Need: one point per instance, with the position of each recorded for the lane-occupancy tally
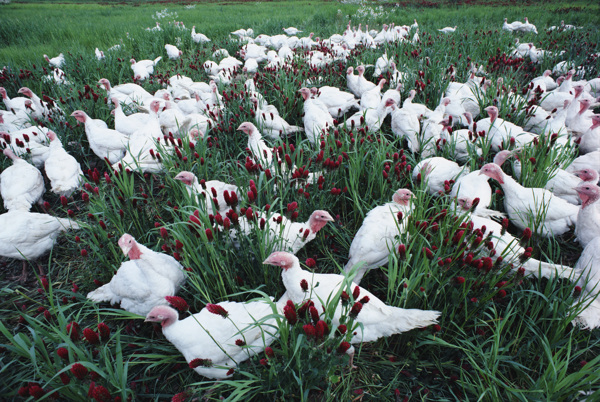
(221, 336)
(142, 282)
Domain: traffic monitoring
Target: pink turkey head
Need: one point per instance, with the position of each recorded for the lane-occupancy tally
(105, 83)
(465, 203)
(186, 177)
(492, 112)
(588, 192)
(155, 106)
(129, 247)
(318, 219)
(164, 314)
(3, 93)
(26, 91)
(51, 136)
(115, 102)
(305, 92)
(350, 71)
(79, 115)
(382, 83)
(360, 70)
(281, 259)
(587, 174)
(247, 128)
(584, 105)
(493, 171)
(132, 61)
(402, 196)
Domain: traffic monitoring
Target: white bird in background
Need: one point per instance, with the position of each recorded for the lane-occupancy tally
(172, 52)
(142, 282)
(448, 30)
(291, 31)
(199, 37)
(57, 61)
(377, 318)
(143, 68)
(220, 336)
(99, 54)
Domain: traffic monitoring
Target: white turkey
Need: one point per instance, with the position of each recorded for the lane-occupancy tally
(57, 61)
(261, 153)
(436, 172)
(337, 102)
(376, 238)
(61, 168)
(172, 52)
(142, 282)
(128, 125)
(104, 142)
(36, 151)
(588, 219)
(221, 336)
(536, 208)
(370, 119)
(372, 98)
(28, 235)
(589, 141)
(99, 54)
(291, 31)
(509, 248)
(405, 124)
(211, 193)
(21, 185)
(271, 124)
(126, 93)
(448, 30)
(279, 233)
(143, 68)
(317, 119)
(376, 319)
(587, 272)
(199, 37)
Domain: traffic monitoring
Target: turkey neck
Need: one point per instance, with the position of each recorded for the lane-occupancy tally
(291, 278)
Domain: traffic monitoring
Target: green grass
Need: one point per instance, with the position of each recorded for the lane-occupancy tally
(500, 336)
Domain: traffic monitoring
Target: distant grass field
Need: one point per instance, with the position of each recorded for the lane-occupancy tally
(30, 29)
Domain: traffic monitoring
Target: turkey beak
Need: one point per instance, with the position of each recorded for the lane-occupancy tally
(328, 218)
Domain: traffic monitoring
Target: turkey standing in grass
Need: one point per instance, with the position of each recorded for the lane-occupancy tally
(588, 218)
(531, 207)
(377, 318)
(104, 142)
(376, 238)
(61, 168)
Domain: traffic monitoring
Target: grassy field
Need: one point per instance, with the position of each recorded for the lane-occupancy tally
(500, 336)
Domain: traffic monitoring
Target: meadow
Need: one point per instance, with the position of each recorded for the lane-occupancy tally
(500, 336)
